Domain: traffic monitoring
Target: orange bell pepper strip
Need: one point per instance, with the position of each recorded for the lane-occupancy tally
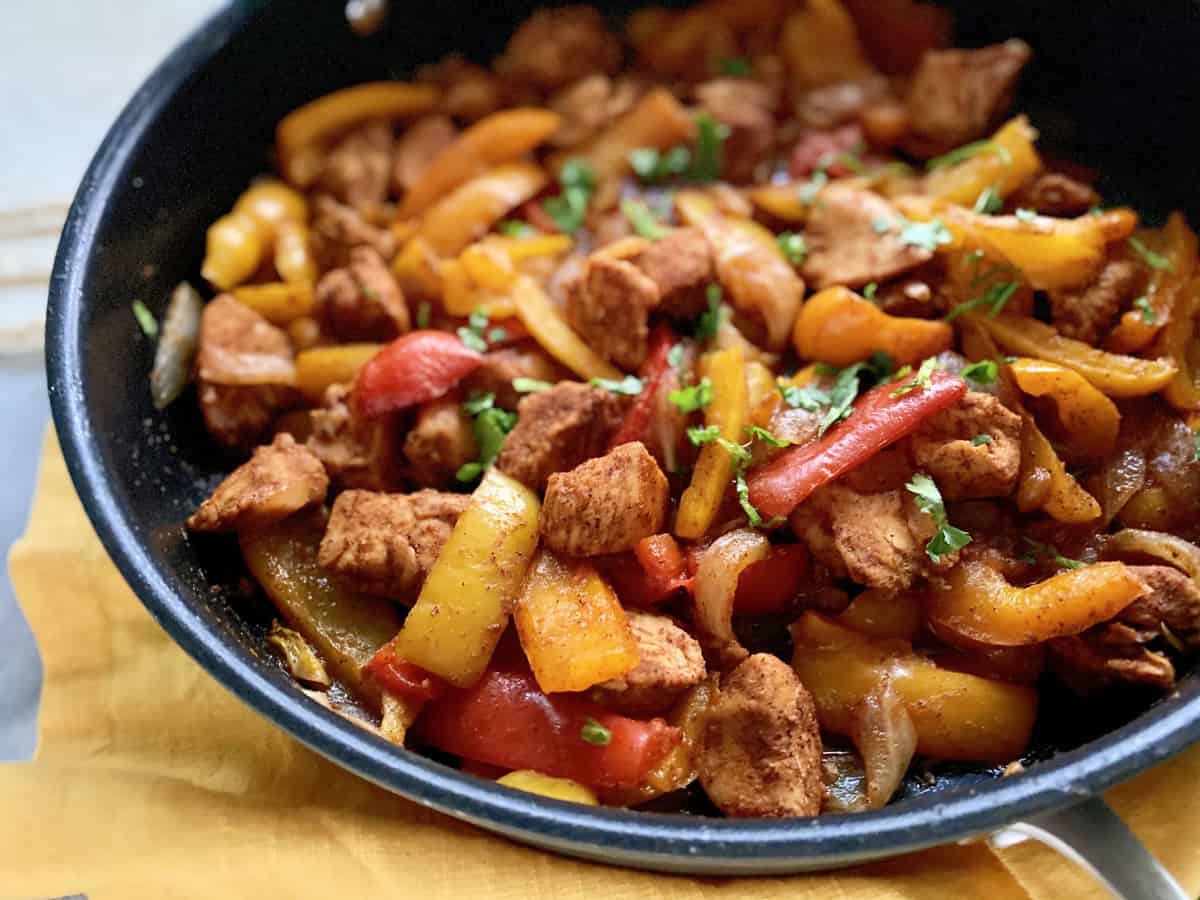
(551, 330)
(781, 202)
(301, 136)
(471, 210)
(977, 603)
(1178, 342)
(1114, 374)
(729, 412)
(771, 584)
(838, 327)
(319, 367)
(1090, 421)
(1176, 246)
(650, 573)
(233, 248)
(819, 44)
(1009, 162)
(279, 302)
(1045, 483)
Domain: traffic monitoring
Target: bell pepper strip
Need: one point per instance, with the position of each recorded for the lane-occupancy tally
(402, 678)
(463, 295)
(279, 302)
(769, 585)
(294, 259)
(1166, 292)
(463, 608)
(503, 137)
(977, 603)
(318, 368)
(233, 248)
(729, 412)
(571, 626)
(416, 368)
(302, 134)
(418, 271)
(838, 327)
(1045, 479)
(551, 330)
(655, 569)
(506, 720)
(1114, 374)
(652, 373)
(1178, 342)
(474, 207)
(781, 202)
(1009, 162)
(879, 418)
(1090, 421)
(544, 786)
(819, 45)
(271, 203)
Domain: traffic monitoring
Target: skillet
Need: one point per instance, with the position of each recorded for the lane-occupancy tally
(1112, 86)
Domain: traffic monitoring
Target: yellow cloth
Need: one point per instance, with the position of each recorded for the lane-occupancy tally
(151, 780)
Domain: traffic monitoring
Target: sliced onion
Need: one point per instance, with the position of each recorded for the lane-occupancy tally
(1121, 476)
(845, 782)
(1172, 550)
(716, 583)
(885, 735)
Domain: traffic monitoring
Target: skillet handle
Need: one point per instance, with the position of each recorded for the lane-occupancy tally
(1095, 837)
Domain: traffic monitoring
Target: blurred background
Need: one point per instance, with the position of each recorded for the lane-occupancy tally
(67, 70)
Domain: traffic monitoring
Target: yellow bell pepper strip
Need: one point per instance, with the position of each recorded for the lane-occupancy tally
(320, 367)
(1003, 164)
(462, 295)
(398, 715)
(1114, 374)
(501, 138)
(464, 605)
(1090, 421)
(1052, 253)
(977, 603)
(956, 715)
(820, 46)
(279, 302)
(234, 246)
(1044, 482)
(1178, 342)
(781, 202)
(543, 320)
(885, 614)
(302, 135)
(761, 282)
(838, 327)
(657, 120)
(471, 210)
(345, 628)
(547, 786)
(760, 384)
(271, 203)
(728, 411)
(294, 260)
(571, 625)
(1174, 255)
(417, 271)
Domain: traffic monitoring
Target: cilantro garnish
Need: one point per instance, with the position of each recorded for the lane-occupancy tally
(740, 454)
(642, 220)
(1149, 257)
(490, 425)
(594, 733)
(1149, 315)
(869, 290)
(758, 433)
(691, 398)
(472, 334)
(630, 385)
(929, 235)
(516, 228)
(145, 319)
(988, 202)
(793, 246)
(994, 298)
(424, 311)
(569, 208)
(733, 66)
(920, 380)
(530, 385)
(1026, 215)
(1036, 550)
(981, 440)
(982, 372)
(947, 539)
(709, 320)
(966, 151)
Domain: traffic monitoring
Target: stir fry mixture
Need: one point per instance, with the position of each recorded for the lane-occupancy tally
(731, 396)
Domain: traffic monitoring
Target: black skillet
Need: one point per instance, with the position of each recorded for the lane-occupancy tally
(1113, 82)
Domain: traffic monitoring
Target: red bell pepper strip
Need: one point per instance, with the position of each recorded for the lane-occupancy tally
(644, 577)
(821, 149)
(403, 678)
(415, 368)
(652, 373)
(770, 584)
(506, 721)
(879, 418)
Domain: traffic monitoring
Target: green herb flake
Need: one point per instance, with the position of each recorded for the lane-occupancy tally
(793, 246)
(490, 425)
(869, 290)
(594, 733)
(881, 226)
(920, 380)
(1026, 215)
(524, 385)
(809, 397)
(701, 436)
(709, 157)
(1143, 304)
(981, 440)
(569, 208)
(472, 339)
(982, 372)
(145, 319)
(643, 220)
(1036, 550)
(496, 335)
(753, 516)
(1096, 211)
(710, 320)
(759, 433)
(675, 356)
(651, 165)
(692, 398)
(989, 202)
(812, 187)
(733, 66)
(630, 385)
(1196, 446)
(947, 539)
(516, 228)
(1148, 256)
(929, 235)
(995, 298)
(424, 312)
(478, 402)
(966, 151)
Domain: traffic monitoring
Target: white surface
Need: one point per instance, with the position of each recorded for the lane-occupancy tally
(66, 69)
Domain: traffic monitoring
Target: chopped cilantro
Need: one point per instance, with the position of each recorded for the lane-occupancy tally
(1149, 316)
(1149, 257)
(642, 220)
(496, 335)
(988, 202)
(1036, 550)
(652, 165)
(593, 732)
(753, 516)
(702, 163)
(709, 320)
(694, 397)
(925, 234)
(1196, 446)
(675, 356)
(761, 434)
(809, 397)
(812, 187)
(1096, 211)
(145, 319)
(490, 425)
(793, 246)
(472, 333)
(478, 402)
(630, 385)
(869, 290)
(740, 454)
(846, 385)
(424, 311)
(994, 298)
(701, 436)
(569, 208)
(733, 66)
(530, 385)
(947, 539)
(709, 156)
(920, 380)
(982, 372)
(1026, 215)
(516, 228)
(881, 226)
(981, 440)
(966, 151)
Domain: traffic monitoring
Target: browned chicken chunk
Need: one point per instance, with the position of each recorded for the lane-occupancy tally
(557, 430)
(386, 544)
(359, 167)
(957, 95)
(761, 754)
(362, 301)
(500, 367)
(605, 505)
(356, 452)
(1088, 314)
(670, 662)
(417, 147)
(681, 267)
(1055, 194)
(337, 229)
(554, 47)
(609, 306)
(279, 479)
(950, 448)
(854, 238)
(440, 443)
(589, 105)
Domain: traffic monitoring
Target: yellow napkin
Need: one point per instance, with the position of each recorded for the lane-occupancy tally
(151, 780)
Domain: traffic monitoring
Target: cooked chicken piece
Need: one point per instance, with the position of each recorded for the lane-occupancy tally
(338, 229)
(1090, 313)
(605, 505)
(357, 170)
(590, 104)
(681, 267)
(957, 95)
(500, 367)
(356, 452)
(747, 108)
(440, 443)
(1055, 194)
(856, 237)
(555, 47)
(240, 416)
(835, 104)
(362, 301)
(949, 447)
(670, 662)
(761, 754)
(609, 306)
(279, 479)
(470, 91)
(417, 147)
(1173, 601)
(386, 544)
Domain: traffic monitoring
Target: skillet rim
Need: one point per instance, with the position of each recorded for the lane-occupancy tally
(665, 842)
